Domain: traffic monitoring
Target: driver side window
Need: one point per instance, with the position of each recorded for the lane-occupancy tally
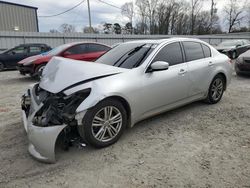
(170, 53)
(18, 50)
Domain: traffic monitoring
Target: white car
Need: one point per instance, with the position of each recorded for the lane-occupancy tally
(132, 81)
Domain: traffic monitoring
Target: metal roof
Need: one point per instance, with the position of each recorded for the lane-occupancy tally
(15, 4)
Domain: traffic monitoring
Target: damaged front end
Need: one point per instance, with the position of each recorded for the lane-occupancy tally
(45, 116)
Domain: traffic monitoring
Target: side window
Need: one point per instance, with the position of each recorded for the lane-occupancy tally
(206, 50)
(78, 49)
(193, 51)
(171, 53)
(97, 48)
(35, 49)
(18, 50)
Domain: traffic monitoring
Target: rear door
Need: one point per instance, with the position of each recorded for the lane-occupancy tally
(200, 66)
(94, 51)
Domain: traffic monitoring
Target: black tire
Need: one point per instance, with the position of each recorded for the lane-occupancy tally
(1, 66)
(37, 74)
(86, 130)
(210, 96)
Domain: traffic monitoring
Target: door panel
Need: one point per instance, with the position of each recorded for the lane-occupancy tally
(163, 88)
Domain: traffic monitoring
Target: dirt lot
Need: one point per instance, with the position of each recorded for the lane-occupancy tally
(197, 145)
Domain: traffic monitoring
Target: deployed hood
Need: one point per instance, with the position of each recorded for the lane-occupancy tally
(61, 73)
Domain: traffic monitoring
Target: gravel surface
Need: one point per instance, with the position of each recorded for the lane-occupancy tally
(198, 145)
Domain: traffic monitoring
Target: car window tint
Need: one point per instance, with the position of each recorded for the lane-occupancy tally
(78, 49)
(97, 48)
(193, 51)
(19, 50)
(131, 61)
(171, 53)
(206, 50)
(35, 49)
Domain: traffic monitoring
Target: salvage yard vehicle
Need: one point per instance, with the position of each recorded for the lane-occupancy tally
(9, 58)
(242, 64)
(233, 48)
(131, 82)
(84, 51)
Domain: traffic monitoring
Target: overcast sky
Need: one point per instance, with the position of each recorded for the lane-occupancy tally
(78, 17)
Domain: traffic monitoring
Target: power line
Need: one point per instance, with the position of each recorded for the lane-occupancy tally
(64, 11)
(110, 4)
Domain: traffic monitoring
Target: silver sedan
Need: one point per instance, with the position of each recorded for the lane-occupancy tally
(96, 102)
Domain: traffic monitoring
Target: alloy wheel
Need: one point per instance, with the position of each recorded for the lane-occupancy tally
(107, 123)
(217, 89)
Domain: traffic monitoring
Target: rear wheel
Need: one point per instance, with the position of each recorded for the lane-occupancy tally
(216, 89)
(234, 55)
(104, 124)
(1, 66)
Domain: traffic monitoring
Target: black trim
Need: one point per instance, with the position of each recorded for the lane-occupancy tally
(26, 6)
(85, 81)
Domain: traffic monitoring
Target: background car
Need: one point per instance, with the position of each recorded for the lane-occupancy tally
(9, 58)
(130, 82)
(242, 64)
(233, 48)
(85, 51)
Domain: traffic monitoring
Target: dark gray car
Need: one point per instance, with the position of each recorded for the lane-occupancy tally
(10, 58)
(233, 48)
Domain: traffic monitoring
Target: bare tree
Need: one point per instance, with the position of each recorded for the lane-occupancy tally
(53, 31)
(128, 10)
(195, 9)
(67, 28)
(233, 14)
(151, 13)
(142, 8)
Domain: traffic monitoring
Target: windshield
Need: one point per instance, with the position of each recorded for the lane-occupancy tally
(127, 55)
(57, 50)
(229, 43)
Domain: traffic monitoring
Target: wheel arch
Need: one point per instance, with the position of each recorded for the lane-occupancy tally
(125, 105)
(224, 77)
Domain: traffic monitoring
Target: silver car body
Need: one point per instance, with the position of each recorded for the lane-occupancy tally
(146, 94)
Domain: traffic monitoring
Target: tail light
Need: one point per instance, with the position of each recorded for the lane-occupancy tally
(230, 61)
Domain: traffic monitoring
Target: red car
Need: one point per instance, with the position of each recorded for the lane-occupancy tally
(85, 51)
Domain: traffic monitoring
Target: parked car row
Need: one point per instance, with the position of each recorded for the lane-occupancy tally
(95, 102)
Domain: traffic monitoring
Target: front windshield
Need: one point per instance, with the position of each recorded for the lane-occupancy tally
(229, 43)
(57, 50)
(127, 55)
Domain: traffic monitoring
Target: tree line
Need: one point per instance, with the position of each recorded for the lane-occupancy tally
(177, 17)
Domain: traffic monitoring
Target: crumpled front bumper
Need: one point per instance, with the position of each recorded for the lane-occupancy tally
(42, 140)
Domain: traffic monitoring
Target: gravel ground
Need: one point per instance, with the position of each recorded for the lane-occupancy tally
(198, 145)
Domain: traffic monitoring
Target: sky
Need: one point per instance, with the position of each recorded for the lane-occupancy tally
(78, 17)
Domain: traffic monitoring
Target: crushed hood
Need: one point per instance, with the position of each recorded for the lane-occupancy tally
(61, 73)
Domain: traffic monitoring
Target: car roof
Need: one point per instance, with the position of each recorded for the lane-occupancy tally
(33, 44)
(85, 42)
(159, 41)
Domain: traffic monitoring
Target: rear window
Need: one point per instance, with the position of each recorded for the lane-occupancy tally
(97, 48)
(206, 50)
(193, 51)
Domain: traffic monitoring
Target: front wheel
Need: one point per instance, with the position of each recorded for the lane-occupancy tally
(104, 124)
(234, 55)
(38, 71)
(216, 90)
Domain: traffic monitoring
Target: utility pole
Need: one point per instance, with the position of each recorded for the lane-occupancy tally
(90, 26)
(212, 11)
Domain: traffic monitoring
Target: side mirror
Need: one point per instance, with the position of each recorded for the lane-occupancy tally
(158, 66)
(13, 53)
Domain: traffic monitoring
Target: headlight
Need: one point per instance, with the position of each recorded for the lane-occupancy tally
(28, 62)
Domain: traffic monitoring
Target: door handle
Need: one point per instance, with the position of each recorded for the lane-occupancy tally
(210, 63)
(182, 71)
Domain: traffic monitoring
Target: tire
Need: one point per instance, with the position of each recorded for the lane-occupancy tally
(1, 66)
(38, 71)
(234, 55)
(216, 89)
(103, 133)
